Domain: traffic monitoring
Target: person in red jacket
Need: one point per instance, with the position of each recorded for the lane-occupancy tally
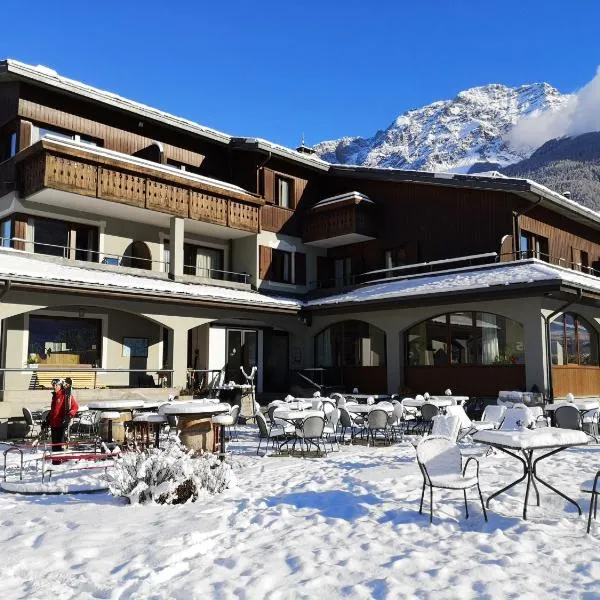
(63, 408)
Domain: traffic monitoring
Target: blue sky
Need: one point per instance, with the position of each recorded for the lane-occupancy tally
(278, 69)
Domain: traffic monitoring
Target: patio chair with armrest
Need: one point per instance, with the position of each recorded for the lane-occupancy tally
(568, 417)
(273, 433)
(352, 422)
(440, 462)
(428, 411)
(378, 421)
(516, 418)
(310, 431)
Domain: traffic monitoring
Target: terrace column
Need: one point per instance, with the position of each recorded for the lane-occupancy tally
(393, 360)
(178, 344)
(176, 248)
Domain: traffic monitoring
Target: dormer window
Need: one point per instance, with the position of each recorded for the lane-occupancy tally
(283, 192)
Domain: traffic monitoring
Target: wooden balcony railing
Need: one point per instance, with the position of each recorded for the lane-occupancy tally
(89, 173)
(342, 220)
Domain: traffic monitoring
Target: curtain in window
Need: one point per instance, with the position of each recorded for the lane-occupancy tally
(490, 348)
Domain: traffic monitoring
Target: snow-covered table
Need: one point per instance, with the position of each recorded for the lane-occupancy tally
(195, 422)
(363, 409)
(524, 443)
(365, 397)
(440, 402)
(291, 414)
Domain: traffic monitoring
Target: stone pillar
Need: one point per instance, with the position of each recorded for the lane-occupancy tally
(393, 360)
(534, 333)
(176, 247)
(178, 343)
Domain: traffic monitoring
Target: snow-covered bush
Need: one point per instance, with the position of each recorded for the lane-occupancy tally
(172, 475)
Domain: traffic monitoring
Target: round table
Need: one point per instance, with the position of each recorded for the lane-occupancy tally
(367, 408)
(295, 405)
(195, 422)
(125, 408)
(290, 414)
(439, 402)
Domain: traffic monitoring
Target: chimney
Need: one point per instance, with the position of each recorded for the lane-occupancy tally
(567, 194)
(303, 148)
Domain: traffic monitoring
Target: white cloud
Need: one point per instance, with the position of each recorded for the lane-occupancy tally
(580, 114)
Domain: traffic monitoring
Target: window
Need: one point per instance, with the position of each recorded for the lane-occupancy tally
(342, 271)
(64, 341)
(283, 192)
(8, 145)
(465, 338)
(54, 237)
(350, 344)
(13, 144)
(533, 246)
(394, 257)
(43, 131)
(281, 266)
(573, 341)
(6, 235)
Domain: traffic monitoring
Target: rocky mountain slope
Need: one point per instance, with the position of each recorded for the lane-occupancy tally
(568, 164)
(449, 135)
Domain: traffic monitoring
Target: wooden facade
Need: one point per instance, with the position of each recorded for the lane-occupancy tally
(339, 221)
(48, 165)
(575, 379)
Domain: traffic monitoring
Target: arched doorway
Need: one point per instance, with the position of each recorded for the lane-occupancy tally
(473, 353)
(353, 353)
(137, 255)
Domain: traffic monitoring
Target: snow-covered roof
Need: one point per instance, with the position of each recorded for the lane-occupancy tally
(149, 164)
(355, 197)
(498, 276)
(47, 76)
(20, 266)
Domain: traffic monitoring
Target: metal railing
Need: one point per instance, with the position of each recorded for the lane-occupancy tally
(439, 266)
(217, 274)
(120, 260)
(138, 378)
(95, 256)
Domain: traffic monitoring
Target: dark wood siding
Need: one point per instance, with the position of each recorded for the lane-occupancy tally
(9, 102)
(265, 257)
(566, 239)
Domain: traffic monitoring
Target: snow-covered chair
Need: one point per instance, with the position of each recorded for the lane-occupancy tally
(446, 426)
(517, 418)
(467, 427)
(331, 424)
(493, 413)
(440, 462)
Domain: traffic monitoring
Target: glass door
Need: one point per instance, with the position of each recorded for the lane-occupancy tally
(242, 351)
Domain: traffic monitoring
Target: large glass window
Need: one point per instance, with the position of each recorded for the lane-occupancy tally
(350, 344)
(465, 338)
(283, 192)
(573, 341)
(64, 340)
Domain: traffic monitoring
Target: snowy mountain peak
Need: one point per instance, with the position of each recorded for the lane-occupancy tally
(449, 135)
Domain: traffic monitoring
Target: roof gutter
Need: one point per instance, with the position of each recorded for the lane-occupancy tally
(547, 320)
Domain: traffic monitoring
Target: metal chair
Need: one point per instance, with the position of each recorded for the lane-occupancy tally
(378, 421)
(272, 434)
(32, 429)
(310, 431)
(440, 462)
(347, 421)
(428, 411)
(592, 487)
(568, 417)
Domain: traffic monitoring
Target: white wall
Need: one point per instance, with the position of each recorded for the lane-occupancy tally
(217, 348)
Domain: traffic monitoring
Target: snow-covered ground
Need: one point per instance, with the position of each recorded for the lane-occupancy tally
(342, 526)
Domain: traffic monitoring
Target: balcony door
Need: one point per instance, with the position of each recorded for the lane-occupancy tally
(242, 350)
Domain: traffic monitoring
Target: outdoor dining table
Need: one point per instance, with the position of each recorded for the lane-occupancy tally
(112, 428)
(295, 405)
(294, 416)
(367, 408)
(365, 397)
(522, 444)
(440, 402)
(196, 430)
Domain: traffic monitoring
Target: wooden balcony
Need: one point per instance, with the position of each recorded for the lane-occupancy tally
(105, 175)
(339, 226)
